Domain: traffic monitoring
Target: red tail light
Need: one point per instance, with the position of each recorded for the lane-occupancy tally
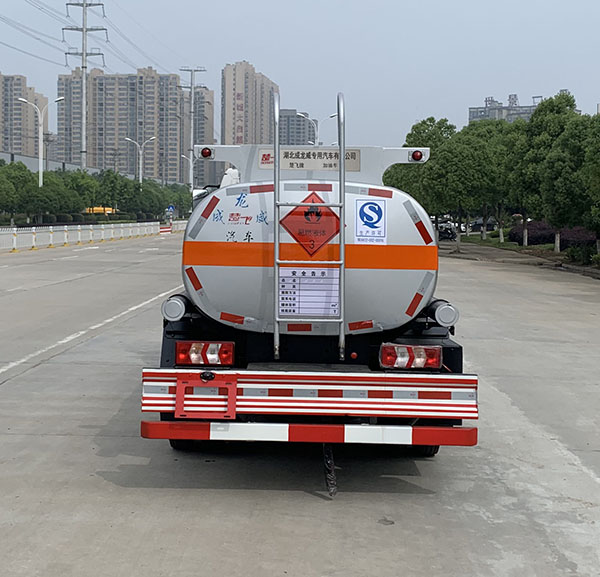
(204, 353)
(392, 356)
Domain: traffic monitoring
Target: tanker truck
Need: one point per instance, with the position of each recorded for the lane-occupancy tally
(308, 312)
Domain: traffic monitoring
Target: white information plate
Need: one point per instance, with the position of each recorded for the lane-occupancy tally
(317, 158)
(309, 292)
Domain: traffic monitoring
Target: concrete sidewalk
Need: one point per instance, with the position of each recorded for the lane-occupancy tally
(470, 251)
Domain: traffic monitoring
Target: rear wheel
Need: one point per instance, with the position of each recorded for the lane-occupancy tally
(181, 444)
(426, 450)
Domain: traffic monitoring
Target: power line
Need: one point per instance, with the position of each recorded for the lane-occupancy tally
(24, 29)
(149, 32)
(31, 54)
(133, 44)
(49, 11)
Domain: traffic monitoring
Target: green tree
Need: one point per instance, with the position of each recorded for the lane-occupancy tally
(8, 196)
(23, 181)
(562, 182)
(547, 124)
(590, 172)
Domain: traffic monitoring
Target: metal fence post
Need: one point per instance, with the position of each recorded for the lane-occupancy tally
(91, 233)
(78, 234)
(51, 231)
(66, 229)
(101, 233)
(112, 231)
(33, 233)
(14, 240)
(122, 231)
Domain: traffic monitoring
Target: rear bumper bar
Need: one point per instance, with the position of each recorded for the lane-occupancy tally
(285, 432)
(225, 394)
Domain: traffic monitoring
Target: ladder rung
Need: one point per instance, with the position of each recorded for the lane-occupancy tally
(295, 262)
(318, 204)
(298, 320)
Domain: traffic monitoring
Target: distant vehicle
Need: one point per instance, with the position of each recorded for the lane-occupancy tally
(477, 224)
(446, 231)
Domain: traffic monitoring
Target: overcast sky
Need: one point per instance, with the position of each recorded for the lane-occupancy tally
(396, 61)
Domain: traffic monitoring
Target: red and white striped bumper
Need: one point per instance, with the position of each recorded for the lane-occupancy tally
(232, 392)
(284, 432)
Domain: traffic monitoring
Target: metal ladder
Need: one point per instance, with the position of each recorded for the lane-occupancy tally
(341, 263)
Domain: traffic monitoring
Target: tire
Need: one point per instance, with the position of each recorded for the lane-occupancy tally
(425, 451)
(181, 444)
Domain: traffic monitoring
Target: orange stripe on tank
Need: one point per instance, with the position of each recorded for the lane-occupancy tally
(387, 257)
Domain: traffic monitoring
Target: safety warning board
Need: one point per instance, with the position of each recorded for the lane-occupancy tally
(309, 292)
(312, 227)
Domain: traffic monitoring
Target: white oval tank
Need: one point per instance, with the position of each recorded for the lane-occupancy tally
(391, 257)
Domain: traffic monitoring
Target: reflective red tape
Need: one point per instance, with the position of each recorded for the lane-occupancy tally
(423, 232)
(380, 192)
(412, 307)
(237, 319)
(320, 187)
(210, 207)
(299, 327)
(360, 325)
(191, 273)
(262, 188)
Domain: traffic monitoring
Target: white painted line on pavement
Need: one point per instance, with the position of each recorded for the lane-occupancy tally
(83, 332)
(3, 266)
(86, 248)
(14, 289)
(66, 257)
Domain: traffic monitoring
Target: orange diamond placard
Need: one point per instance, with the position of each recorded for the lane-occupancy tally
(312, 227)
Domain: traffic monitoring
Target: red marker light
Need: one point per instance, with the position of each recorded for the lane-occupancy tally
(417, 155)
(206, 153)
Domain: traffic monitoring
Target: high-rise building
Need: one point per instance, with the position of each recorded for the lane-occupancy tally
(137, 106)
(204, 130)
(18, 121)
(296, 130)
(495, 110)
(246, 105)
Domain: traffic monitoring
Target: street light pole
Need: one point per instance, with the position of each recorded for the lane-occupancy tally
(192, 161)
(140, 148)
(40, 118)
(316, 125)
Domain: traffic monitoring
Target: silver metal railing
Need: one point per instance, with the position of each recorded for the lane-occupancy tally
(34, 237)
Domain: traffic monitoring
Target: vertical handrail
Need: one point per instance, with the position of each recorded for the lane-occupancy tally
(276, 230)
(342, 201)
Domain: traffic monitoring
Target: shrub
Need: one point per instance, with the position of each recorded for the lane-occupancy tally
(64, 218)
(90, 219)
(581, 254)
(77, 217)
(149, 216)
(48, 219)
(140, 216)
(596, 260)
(576, 237)
(537, 233)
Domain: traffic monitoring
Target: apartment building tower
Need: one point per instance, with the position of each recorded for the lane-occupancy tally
(18, 120)
(296, 130)
(246, 105)
(137, 106)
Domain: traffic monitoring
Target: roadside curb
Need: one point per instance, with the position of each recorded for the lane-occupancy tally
(493, 254)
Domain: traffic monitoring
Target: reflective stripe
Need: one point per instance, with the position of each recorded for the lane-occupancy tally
(389, 257)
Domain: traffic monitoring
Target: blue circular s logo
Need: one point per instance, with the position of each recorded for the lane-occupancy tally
(371, 214)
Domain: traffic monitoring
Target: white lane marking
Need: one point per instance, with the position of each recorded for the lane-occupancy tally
(86, 248)
(147, 249)
(83, 332)
(3, 266)
(66, 257)
(14, 289)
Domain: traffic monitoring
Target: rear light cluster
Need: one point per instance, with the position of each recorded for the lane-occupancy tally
(393, 356)
(204, 353)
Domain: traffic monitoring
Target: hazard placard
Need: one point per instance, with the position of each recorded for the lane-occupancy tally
(312, 227)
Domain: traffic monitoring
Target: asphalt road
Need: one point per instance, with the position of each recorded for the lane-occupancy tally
(82, 494)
